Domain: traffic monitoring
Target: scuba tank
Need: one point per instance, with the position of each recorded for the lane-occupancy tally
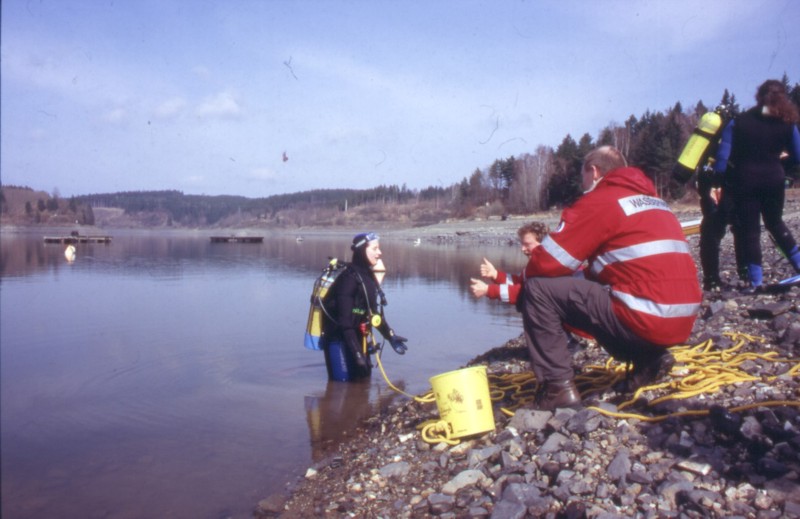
(699, 144)
(315, 313)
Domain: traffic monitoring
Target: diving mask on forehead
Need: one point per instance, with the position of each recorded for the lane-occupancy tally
(362, 239)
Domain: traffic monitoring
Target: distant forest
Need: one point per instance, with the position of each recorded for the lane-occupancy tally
(531, 182)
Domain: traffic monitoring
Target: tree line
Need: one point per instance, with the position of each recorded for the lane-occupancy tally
(21, 204)
(552, 177)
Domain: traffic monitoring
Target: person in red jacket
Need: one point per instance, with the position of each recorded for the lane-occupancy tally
(641, 292)
(506, 287)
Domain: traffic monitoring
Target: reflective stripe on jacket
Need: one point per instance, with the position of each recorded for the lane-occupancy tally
(506, 287)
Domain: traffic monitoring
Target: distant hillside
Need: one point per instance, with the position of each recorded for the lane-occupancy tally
(153, 209)
(24, 206)
(389, 204)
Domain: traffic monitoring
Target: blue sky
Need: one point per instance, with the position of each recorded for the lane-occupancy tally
(206, 96)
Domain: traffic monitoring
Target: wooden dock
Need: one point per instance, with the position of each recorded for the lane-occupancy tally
(73, 239)
(237, 239)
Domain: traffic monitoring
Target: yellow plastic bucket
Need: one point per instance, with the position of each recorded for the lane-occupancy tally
(462, 397)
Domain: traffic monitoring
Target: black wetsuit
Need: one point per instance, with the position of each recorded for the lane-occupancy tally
(355, 298)
(753, 143)
(716, 218)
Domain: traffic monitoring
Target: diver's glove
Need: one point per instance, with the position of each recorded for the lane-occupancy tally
(398, 344)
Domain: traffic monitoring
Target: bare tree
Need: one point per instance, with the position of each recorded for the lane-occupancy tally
(531, 175)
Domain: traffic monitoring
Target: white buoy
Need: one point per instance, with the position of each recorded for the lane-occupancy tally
(69, 253)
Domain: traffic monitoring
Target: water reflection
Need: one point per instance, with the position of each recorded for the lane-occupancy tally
(332, 416)
(27, 254)
(164, 365)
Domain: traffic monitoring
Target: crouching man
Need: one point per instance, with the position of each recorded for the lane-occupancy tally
(641, 292)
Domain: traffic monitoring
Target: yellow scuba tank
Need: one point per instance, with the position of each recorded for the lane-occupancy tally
(315, 313)
(697, 146)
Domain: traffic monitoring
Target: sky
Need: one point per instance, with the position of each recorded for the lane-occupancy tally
(257, 98)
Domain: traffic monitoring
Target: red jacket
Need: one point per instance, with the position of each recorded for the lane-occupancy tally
(634, 244)
(505, 287)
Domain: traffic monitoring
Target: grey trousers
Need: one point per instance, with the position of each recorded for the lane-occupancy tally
(552, 302)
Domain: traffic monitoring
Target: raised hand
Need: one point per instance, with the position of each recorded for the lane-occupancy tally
(487, 269)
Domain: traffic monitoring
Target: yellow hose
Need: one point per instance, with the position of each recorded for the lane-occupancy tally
(425, 398)
(699, 369)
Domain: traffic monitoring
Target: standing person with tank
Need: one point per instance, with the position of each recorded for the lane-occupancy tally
(748, 161)
(716, 206)
(641, 293)
(354, 307)
(697, 158)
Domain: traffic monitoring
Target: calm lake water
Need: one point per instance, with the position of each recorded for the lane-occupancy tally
(162, 375)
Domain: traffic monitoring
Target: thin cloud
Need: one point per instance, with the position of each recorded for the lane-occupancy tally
(115, 115)
(194, 180)
(201, 71)
(262, 174)
(170, 108)
(222, 106)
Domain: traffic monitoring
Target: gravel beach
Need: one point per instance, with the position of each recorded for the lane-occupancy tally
(718, 437)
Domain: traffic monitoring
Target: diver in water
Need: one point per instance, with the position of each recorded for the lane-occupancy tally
(354, 307)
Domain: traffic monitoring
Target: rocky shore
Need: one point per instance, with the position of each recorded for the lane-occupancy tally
(720, 437)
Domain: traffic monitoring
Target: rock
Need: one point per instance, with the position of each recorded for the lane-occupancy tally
(551, 470)
(477, 456)
(560, 418)
(791, 335)
(464, 479)
(462, 449)
(620, 466)
(584, 421)
(640, 476)
(702, 469)
(552, 444)
(581, 486)
(791, 509)
(575, 510)
(528, 420)
(510, 462)
(771, 468)
(274, 504)
(782, 489)
(769, 310)
(724, 421)
(763, 501)
(715, 308)
(395, 470)
(509, 510)
(522, 493)
(439, 504)
(751, 428)
(669, 491)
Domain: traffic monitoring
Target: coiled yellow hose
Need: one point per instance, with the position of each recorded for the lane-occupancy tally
(699, 369)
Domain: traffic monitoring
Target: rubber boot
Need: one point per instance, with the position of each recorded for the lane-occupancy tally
(794, 258)
(649, 370)
(557, 394)
(756, 275)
